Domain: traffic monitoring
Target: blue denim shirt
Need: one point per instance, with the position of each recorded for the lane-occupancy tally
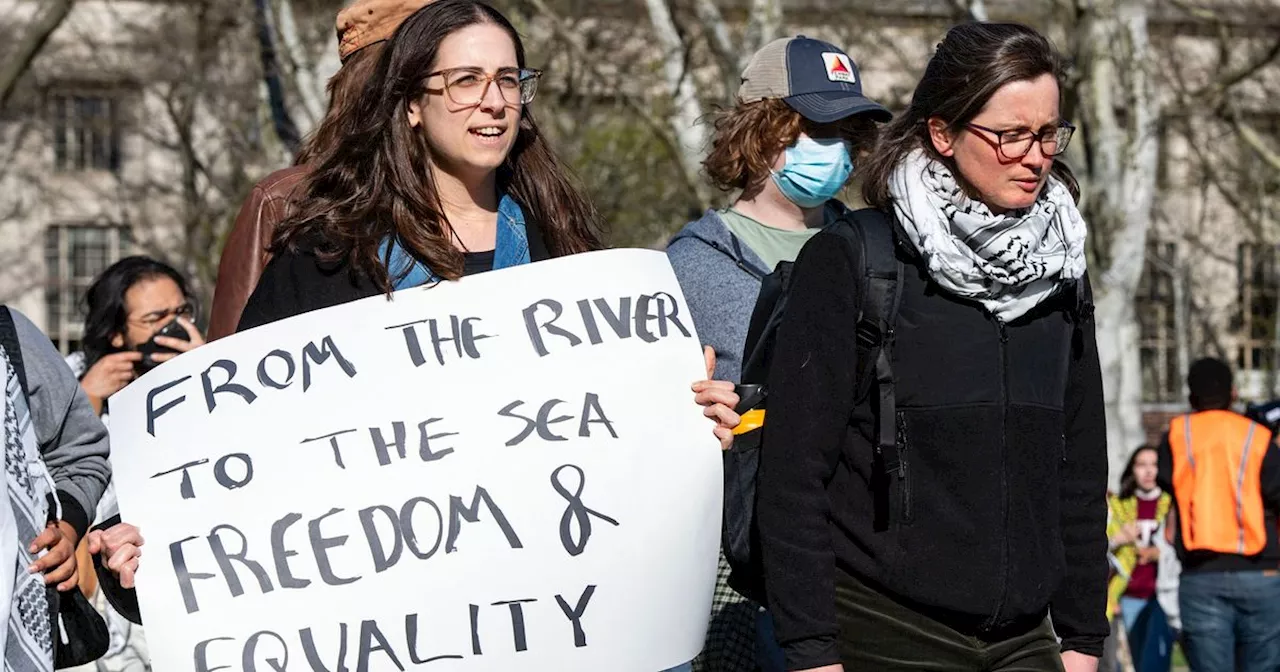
(512, 249)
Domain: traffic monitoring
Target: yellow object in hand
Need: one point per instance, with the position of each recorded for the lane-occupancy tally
(751, 420)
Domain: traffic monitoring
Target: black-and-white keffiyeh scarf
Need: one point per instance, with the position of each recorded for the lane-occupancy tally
(28, 637)
(1008, 263)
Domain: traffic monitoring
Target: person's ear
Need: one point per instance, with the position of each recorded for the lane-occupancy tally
(414, 110)
(940, 135)
(117, 340)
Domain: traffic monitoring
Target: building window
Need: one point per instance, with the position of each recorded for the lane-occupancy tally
(1257, 292)
(1260, 184)
(86, 131)
(74, 256)
(1158, 325)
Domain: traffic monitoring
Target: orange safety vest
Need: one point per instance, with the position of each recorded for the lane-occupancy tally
(1217, 463)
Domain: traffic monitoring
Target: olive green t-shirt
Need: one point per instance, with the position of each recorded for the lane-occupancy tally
(770, 244)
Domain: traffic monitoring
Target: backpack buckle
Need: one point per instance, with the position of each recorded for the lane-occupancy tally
(868, 334)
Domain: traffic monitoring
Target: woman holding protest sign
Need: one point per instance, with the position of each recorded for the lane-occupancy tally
(942, 538)
(442, 172)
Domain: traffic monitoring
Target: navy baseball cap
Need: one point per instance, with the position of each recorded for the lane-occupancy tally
(816, 78)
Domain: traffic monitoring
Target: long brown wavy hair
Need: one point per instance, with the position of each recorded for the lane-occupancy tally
(344, 89)
(973, 61)
(377, 182)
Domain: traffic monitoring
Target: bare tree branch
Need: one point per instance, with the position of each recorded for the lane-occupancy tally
(1229, 194)
(728, 58)
(972, 10)
(1256, 143)
(1247, 70)
(763, 25)
(307, 72)
(1224, 81)
(33, 39)
(1196, 11)
(281, 120)
(686, 117)
(660, 128)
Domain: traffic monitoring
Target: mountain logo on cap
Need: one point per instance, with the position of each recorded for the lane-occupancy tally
(839, 67)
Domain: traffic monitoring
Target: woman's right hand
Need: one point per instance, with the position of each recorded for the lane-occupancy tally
(120, 546)
(108, 376)
(1127, 535)
(718, 400)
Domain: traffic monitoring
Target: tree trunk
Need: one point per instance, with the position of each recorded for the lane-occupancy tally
(281, 119)
(763, 27)
(1125, 161)
(686, 115)
(728, 57)
(33, 39)
(1182, 322)
(309, 75)
(972, 10)
(1121, 375)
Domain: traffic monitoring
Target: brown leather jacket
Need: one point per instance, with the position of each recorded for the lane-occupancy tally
(245, 253)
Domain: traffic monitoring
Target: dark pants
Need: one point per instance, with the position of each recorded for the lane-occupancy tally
(877, 634)
(1231, 621)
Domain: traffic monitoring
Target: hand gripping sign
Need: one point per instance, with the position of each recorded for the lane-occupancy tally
(503, 473)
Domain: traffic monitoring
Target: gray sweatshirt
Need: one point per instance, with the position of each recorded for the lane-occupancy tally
(721, 281)
(72, 440)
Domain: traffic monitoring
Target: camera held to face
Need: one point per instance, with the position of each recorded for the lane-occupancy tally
(173, 329)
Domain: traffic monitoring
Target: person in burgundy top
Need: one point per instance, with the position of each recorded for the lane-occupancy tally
(1137, 513)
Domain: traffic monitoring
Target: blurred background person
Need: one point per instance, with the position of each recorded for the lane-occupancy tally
(1134, 528)
(363, 30)
(139, 314)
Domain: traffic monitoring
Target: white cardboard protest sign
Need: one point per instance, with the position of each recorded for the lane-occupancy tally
(503, 473)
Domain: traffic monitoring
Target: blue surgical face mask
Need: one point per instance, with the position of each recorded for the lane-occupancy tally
(815, 171)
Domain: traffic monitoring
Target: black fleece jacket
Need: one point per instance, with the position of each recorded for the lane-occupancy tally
(998, 513)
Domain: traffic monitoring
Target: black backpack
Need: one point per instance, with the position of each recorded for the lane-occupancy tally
(872, 236)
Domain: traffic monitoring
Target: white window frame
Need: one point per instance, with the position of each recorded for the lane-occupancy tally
(68, 130)
(65, 287)
(1158, 335)
(1256, 354)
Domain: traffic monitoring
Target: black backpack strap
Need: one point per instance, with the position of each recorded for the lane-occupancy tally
(874, 238)
(9, 340)
(881, 298)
